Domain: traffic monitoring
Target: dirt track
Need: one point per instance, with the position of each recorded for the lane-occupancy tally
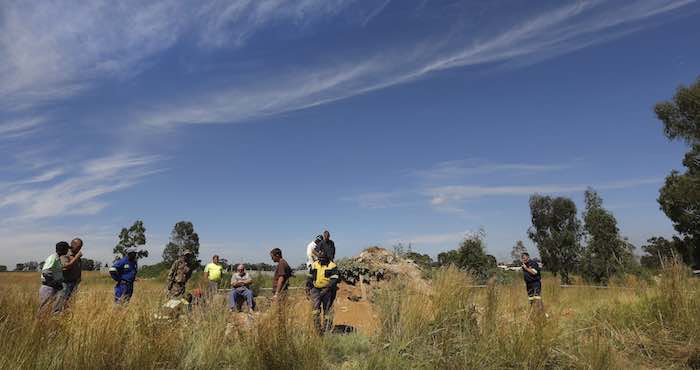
(359, 315)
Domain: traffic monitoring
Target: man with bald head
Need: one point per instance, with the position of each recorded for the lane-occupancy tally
(240, 282)
(72, 272)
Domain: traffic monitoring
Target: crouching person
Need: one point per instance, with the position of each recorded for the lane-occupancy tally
(240, 282)
(321, 285)
(52, 278)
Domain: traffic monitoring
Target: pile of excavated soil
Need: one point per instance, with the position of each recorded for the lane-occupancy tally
(381, 264)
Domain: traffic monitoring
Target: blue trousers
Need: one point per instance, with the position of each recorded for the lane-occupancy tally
(240, 293)
(123, 292)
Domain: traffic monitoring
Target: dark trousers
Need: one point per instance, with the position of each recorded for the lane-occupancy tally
(534, 294)
(69, 289)
(323, 299)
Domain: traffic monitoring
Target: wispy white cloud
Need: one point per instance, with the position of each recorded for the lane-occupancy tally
(377, 200)
(234, 22)
(445, 195)
(430, 239)
(53, 50)
(45, 176)
(20, 127)
(560, 30)
(79, 193)
(460, 168)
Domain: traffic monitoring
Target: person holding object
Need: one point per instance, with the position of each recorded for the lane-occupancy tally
(280, 281)
(52, 278)
(533, 284)
(240, 282)
(321, 284)
(124, 273)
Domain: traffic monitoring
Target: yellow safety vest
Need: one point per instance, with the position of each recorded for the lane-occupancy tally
(324, 274)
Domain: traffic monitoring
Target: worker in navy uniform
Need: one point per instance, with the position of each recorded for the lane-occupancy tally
(124, 273)
(533, 276)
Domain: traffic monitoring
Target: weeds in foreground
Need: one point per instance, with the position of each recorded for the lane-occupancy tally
(452, 325)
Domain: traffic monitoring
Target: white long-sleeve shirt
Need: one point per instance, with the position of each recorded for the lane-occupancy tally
(310, 254)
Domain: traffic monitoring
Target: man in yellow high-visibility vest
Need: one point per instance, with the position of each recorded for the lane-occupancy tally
(321, 284)
(213, 273)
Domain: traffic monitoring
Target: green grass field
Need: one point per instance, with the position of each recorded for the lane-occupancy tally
(452, 326)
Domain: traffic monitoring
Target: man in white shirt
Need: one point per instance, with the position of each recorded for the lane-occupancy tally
(240, 282)
(311, 254)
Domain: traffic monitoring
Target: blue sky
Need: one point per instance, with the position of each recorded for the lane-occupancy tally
(264, 122)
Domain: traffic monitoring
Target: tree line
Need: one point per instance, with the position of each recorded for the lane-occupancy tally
(591, 245)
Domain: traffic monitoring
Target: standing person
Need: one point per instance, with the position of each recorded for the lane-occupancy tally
(326, 246)
(533, 284)
(321, 284)
(52, 277)
(311, 251)
(124, 273)
(72, 271)
(213, 274)
(180, 272)
(240, 282)
(280, 281)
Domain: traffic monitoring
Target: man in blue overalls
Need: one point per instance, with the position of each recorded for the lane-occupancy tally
(124, 273)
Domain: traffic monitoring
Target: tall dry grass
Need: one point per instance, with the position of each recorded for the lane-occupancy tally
(452, 325)
(456, 326)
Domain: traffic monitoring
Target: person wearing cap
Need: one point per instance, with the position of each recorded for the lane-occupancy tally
(52, 277)
(311, 252)
(123, 271)
(180, 272)
(213, 273)
(321, 285)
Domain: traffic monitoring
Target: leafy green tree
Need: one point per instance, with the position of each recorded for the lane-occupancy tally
(87, 264)
(447, 258)
(3, 268)
(134, 236)
(183, 237)
(470, 256)
(422, 260)
(679, 198)
(556, 231)
(660, 250)
(517, 252)
(606, 253)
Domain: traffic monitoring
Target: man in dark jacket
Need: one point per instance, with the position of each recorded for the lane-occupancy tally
(326, 246)
(533, 277)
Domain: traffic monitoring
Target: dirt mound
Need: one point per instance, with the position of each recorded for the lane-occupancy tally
(376, 264)
(362, 276)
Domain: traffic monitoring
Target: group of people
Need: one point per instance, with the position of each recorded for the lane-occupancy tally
(60, 276)
(61, 273)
